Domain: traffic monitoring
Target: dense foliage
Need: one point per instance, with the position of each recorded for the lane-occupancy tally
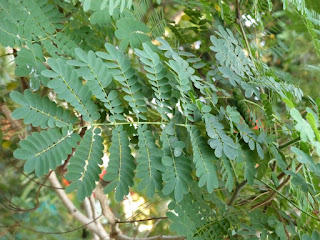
(191, 107)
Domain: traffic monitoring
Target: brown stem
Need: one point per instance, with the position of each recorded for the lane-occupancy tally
(237, 192)
(142, 220)
(283, 222)
(238, 21)
(273, 193)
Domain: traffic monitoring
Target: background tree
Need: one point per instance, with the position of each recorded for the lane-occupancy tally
(186, 112)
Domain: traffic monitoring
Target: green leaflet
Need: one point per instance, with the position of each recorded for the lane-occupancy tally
(46, 150)
(62, 44)
(84, 168)
(185, 76)
(177, 167)
(30, 63)
(234, 65)
(311, 19)
(69, 87)
(182, 219)
(227, 172)
(112, 5)
(246, 132)
(183, 71)
(40, 111)
(157, 23)
(9, 34)
(315, 236)
(120, 170)
(98, 78)
(122, 72)
(203, 158)
(230, 54)
(306, 131)
(279, 86)
(268, 110)
(17, 11)
(246, 157)
(312, 119)
(182, 75)
(40, 19)
(156, 73)
(192, 216)
(101, 18)
(219, 140)
(191, 58)
(306, 159)
(131, 31)
(149, 162)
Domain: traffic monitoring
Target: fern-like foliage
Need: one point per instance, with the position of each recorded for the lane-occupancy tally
(30, 64)
(231, 54)
(191, 121)
(310, 17)
(111, 5)
(241, 70)
(124, 74)
(40, 111)
(40, 19)
(156, 73)
(98, 77)
(191, 59)
(149, 166)
(131, 32)
(46, 150)
(246, 133)
(204, 160)
(68, 86)
(177, 166)
(219, 140)
(121, 166)
(84, 168)
(192, 217)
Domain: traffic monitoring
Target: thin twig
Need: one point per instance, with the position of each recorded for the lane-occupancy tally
(274, 193)
(238, 21)
(237, 192)
(289, 143)
(142, 220)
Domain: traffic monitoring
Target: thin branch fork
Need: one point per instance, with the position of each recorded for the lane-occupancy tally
(94, 226)
(274, 193)
(101, 232)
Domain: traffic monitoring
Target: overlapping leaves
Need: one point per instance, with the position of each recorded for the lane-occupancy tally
(66, 83)
(84, 167)
(40, 111)
(123, 73)
(46, 150)
(177, 166)
(149, 166)
(98, 77)
(120, 170)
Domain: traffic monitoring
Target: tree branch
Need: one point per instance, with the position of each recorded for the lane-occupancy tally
(143, 220)
(159, 237)
(237, 192)
(274, 193)
(289, 143)
(74, 211)
(94, 226)
(15, 124)
(102, 198)
(238, 21)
